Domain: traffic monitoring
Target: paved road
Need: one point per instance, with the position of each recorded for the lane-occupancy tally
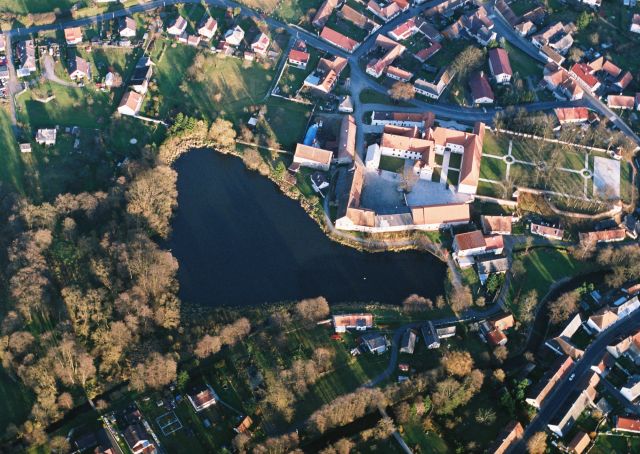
(581, 369)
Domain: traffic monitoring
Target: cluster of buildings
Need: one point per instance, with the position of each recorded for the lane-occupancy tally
(138, 85)
(228, 44)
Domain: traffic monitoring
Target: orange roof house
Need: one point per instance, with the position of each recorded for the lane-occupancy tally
(603, 236)
(347, 143)
(572, 114)
(512, 433)
(621, 102)
(625, 424)
(338, 39)
(439, 215)
(359, 322)
(323, 13)
(315, 158)
(496, 225)
(73, 35)
(579, 443)
(542, 389)
(502, 322)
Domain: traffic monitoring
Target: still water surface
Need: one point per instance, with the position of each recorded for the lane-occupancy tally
(239, 240)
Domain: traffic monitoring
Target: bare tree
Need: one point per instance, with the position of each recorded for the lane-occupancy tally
(402, 91)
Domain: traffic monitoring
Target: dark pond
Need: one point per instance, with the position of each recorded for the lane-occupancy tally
(240, 241)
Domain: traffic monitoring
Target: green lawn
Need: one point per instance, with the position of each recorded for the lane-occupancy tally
(522, 64)
(35, 6)
(16, 402)
(493, 169)
(495, 144)
(227, 86)
(294, 11)
(392, 164)
(490, 190)
(606, 444)
(453, 177)
(11, 164)
(71, 107)
(572, 160)
(287, 121)
(455, 159)
(293, 78)
(544, 266)
(425, 442)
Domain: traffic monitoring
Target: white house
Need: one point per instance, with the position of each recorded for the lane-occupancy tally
(261, 44)
(500, 66)
(208, 27)
(178, 27)
(46, 136)
(635, 24)
(204, 398)
(631, 390)
(127, 28)
(358, 322)
(474, 243)
(73, 35)
(130, 103)
(315, 158)
(234, 36)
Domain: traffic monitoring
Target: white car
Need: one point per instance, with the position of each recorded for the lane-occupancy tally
(572, 377)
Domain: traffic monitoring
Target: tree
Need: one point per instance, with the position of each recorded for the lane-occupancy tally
(416, 303)
(183, 379)
(457, 363)
(485, 416)
(575, 54)
(467, 61)
(311, 310)
(500, 353)
(528, 306)
(207, 346)
(537, 444)
(499, 375)
(563, 307)
(152, 198)
(156, 372)
(461, 298)
(384, 428)
(59, 444)
(222, 135)
(402, 411)
(583, 20)
(402, 91)
(240, 442)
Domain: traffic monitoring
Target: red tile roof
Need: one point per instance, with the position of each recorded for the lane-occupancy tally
(428, 52)
(299, 56)
(338, 39)
(583, 72)
(628, 424)
(440, 214)
(470, 240)
(480, 87)
(500, 61)
(619, 101)
(496, 337)
(572, 114)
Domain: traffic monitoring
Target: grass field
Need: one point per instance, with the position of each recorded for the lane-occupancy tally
(16, 402)
(544, 267)
(294, 11)
(71, 107)
(287, 121)
(425, 442)
(522, 64)
(495, 145)
(392, 164)
(35, 6)
(227, 85)
(11, 165)
(493, 169)
(606, 444)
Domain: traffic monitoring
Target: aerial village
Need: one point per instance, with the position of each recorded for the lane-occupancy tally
(483, 190)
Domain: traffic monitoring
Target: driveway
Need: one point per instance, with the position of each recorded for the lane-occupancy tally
(50, 73)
